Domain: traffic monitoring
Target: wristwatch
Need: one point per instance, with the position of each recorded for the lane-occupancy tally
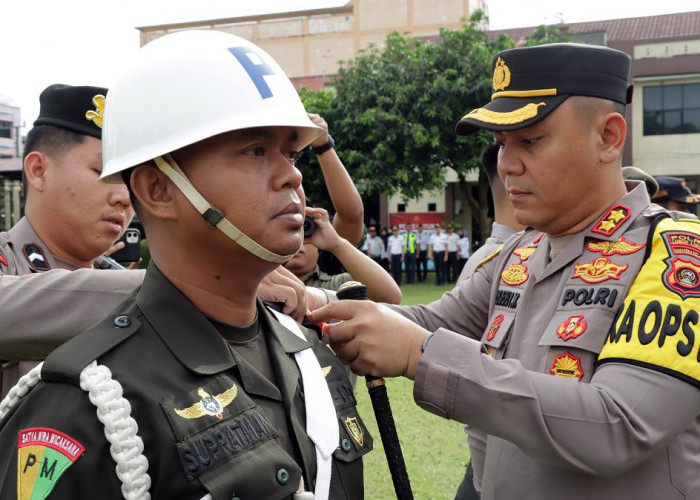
(322, 149)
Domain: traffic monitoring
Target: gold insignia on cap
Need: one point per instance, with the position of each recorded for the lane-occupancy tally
(510, 118)
(355, 430)
(96, 115)
(501, 75)
(209, 405)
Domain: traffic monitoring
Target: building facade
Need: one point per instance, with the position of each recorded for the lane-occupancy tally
(10, 165)
(664, 118)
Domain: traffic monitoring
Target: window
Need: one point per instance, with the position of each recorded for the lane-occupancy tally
(401, 207)
(432, 207)
(5, 130)
(672, 109)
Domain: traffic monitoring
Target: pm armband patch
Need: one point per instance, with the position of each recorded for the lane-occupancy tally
(657, 327)
(43, 455)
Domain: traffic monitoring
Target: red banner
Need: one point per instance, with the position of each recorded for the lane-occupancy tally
(428, 219)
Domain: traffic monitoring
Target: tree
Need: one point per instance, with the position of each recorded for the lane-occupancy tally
(548, 34)
(393, 114)
(395, 111)
(315, 101)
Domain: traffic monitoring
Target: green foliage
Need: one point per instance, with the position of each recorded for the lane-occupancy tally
(547, 34)
(315, 101)
(397, 109)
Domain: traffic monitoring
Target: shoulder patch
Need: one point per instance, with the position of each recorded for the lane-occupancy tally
(43, 455)
(36, 258)
(657, 326)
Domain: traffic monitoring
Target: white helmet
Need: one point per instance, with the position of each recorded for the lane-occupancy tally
(188, 86)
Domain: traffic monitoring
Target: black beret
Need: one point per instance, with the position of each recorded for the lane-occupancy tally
(530, 82)
(78, 109)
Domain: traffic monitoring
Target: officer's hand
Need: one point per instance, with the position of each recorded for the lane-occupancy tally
(118, 245)
(371, 338)
(324, 237)
(281, 285)
(319, 121)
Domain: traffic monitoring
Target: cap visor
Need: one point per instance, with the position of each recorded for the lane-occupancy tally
(508, 113)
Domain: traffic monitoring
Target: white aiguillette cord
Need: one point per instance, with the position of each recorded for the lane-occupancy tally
(321, 419)
(214, 218)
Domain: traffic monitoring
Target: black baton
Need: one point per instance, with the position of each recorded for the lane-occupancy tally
(353, 290)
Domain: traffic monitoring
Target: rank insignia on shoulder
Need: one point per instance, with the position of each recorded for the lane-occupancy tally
(43, 455)
(572, 327)
(566, 365)
(601, 269)
(3, 261)
(326, 370)
(355, 430)
(524, 253)
(612, 220)
(209, 405)
(515, 274)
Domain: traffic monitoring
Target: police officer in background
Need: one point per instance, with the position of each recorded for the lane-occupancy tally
(422, 260)
(70, 221)
(575, 348)
(201, 391)
(675, 195)
(410, 250)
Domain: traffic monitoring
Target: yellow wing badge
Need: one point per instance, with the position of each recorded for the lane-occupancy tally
(209, 405)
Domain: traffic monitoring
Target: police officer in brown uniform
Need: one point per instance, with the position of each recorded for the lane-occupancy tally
(193, 388)
(576, 348)
(70, 221)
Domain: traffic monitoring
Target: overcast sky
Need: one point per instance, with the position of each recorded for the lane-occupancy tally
(82, 42)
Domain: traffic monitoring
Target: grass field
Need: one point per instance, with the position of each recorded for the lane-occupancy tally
(434, 449)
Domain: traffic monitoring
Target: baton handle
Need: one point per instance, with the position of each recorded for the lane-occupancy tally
(376, 386)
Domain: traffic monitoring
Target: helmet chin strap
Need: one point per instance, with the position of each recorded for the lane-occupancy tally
(214, 218)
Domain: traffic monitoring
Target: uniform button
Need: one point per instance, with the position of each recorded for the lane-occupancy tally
(283, 476)
(122, 321)
(346, 445)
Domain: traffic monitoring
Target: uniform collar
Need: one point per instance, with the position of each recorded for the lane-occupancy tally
(197, 345)
(610, 225)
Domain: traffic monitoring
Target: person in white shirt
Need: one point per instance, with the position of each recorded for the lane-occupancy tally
(452, 245)
(464, 251)
(395, 247)
(438, 254)
(422, 261)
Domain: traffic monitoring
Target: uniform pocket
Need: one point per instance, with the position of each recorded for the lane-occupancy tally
(574, 338)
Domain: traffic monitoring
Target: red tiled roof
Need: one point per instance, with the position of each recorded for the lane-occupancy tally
(681, 25)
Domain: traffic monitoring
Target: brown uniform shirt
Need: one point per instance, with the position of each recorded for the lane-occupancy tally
(524, 368)
(47, 301)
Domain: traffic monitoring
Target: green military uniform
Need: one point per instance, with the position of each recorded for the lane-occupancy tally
(212, 419)
(320, 279)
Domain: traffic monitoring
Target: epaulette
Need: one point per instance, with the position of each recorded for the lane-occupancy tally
(489, 257)
(66, 362)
